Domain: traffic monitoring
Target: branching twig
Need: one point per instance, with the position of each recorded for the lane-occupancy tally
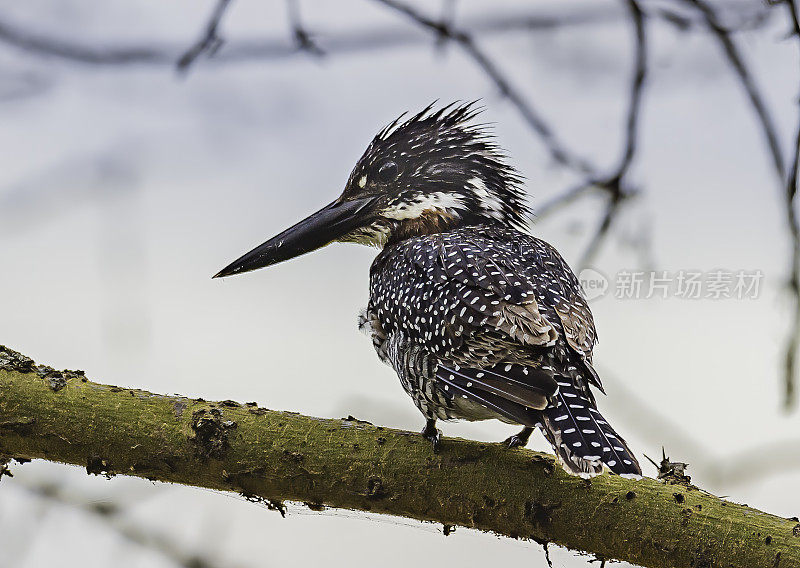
(560, 153)
(736, 61)
(354, 41)
(615, 185)
(209, 42)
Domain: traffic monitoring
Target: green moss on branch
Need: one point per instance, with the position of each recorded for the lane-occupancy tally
(276, 456)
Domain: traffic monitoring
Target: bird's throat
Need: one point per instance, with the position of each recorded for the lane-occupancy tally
(429, 222)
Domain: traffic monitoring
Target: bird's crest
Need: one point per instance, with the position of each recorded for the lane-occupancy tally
(441, 167)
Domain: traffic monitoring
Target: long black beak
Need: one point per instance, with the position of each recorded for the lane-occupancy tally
(319, 229)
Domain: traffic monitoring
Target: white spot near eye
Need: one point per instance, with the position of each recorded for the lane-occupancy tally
(362, 182)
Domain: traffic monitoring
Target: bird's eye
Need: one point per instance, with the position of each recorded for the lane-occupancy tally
(388, 172)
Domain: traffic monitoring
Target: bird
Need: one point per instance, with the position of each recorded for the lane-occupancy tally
(479, 318)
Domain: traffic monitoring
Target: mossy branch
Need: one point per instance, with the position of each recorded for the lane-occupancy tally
(276, 456)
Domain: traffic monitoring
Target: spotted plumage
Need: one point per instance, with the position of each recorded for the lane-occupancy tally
(479, 319)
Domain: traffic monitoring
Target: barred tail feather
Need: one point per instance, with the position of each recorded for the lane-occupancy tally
(527, 386)
(456, 383)
(582, 438)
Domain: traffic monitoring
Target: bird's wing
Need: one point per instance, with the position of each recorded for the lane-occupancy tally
(507, 281)
(480, 301)
(482, 286)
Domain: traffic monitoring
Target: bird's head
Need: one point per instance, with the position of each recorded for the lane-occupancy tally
(429, 173)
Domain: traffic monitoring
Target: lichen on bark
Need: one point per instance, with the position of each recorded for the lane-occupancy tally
(273, 457)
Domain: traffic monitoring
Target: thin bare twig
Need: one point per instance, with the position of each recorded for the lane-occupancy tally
(770, 132)
(302, 38)
(790, 398)
(615, 185)
(209, 42)
(636, 89)
(111, 516)
(562, 200)
(71, 50)
(448, 18)
(609, 215)
(560, 153)
(353, 41)
(736, 61)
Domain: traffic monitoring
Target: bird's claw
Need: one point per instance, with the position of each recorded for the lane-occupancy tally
(514, 442)
(432, 434)
(519, 439)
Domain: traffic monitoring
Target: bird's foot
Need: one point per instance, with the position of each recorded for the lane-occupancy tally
(432, 434)
(520, 439)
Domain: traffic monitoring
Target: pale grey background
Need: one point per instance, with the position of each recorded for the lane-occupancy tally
(124, 188)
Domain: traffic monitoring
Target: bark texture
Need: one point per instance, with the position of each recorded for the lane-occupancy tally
(275, 456)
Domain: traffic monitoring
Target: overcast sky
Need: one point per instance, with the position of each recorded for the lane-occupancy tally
(124, 188)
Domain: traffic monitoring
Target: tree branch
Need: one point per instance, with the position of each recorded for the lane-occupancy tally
(209, 42)
(274, 456)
